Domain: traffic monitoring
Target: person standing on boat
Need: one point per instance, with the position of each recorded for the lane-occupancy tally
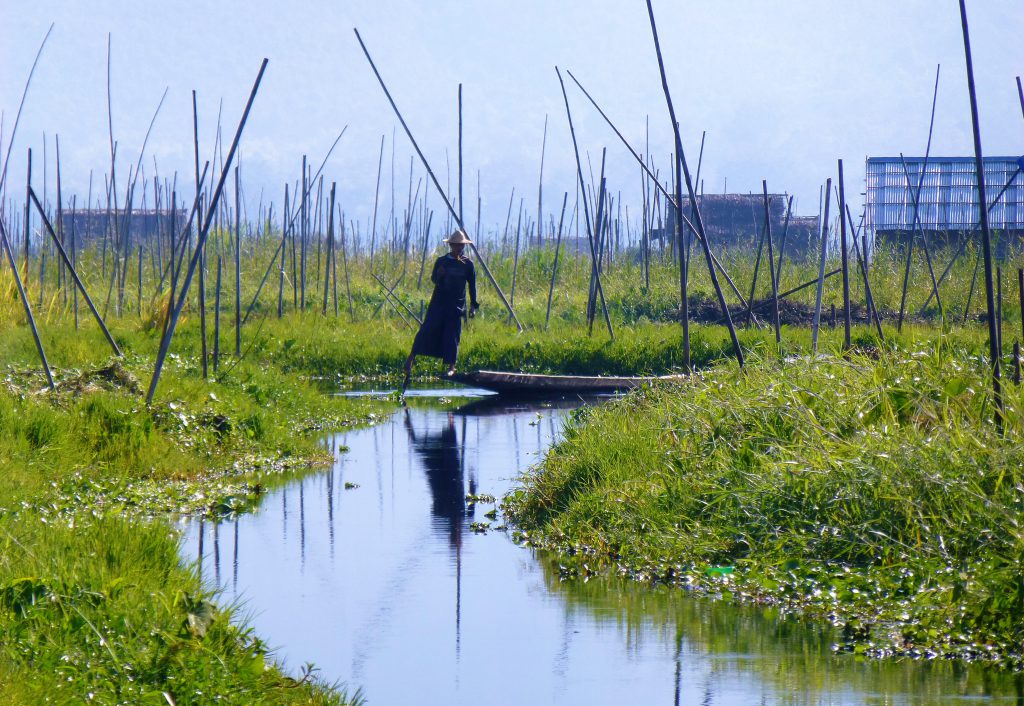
(439, 334)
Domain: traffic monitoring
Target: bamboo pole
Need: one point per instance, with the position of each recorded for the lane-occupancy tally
(74, 274)
(845, 259)
(782, 244)
(216, 319)
(238, 267)
(554, 268)
(917, 196)
(437, 185)
(771, 265)
(661, 188)
(334, 269)
(757, 267)
(284, 253)
(985, 235)
(699, 221)
(924, 239)
(586, 210)
(28, 307)
(166, 341)
(821, 269)
(330, 251)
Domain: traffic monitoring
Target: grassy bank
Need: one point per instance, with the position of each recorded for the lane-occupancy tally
(872, 490)
(94, 602)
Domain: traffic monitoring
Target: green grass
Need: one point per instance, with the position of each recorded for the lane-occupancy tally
(93, 597)
(872, 489)
(84, 470)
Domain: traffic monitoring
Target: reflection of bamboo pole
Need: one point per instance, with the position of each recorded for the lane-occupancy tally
(25, 304)
(979, 164)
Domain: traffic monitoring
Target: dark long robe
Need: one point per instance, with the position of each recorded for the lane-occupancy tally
(439, 335)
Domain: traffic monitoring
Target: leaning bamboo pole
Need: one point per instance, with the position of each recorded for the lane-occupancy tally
(586, 211)
(165, 343)
(74, 274)
(437, 185)
(698, 219)
(24, 301)
(993, 338)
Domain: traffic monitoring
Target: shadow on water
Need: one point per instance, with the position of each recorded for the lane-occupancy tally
(385, 574)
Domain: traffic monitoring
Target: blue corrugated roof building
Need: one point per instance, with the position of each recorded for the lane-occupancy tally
(948, 203)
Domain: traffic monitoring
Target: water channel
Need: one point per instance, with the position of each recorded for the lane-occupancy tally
(378, 572)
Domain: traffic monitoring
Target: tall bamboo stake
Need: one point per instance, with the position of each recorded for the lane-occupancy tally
(917, 196)
(165, 343)
(845, 260)
(821, 269)
(238, 267)
(74, 274)
(595, 273)
(330, 251)
(25, 303)
(554, 267)
(771, 265)
(437, 185)
(985, 235)
(216, 320)
(699, 222)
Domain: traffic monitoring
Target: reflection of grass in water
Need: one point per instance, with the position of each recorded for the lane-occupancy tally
(790, 655)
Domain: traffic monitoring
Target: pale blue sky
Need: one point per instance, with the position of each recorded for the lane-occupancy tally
(782, 88)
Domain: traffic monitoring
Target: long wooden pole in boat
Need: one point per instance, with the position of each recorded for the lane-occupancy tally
(586, 211)
(979, 164)
(25, 304)
(165, 342)
(437, 185)
(821, 269)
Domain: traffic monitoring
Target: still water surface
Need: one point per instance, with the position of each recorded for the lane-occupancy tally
(373, 572)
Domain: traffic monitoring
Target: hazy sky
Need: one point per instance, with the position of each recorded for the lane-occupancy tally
(783, 88)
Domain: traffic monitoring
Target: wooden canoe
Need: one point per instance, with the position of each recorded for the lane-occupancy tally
(534, 384)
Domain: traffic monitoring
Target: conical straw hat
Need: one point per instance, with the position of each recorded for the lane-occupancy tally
(458, 237)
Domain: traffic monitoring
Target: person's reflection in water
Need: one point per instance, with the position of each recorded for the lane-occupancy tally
(442, 459)
(441, 456)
